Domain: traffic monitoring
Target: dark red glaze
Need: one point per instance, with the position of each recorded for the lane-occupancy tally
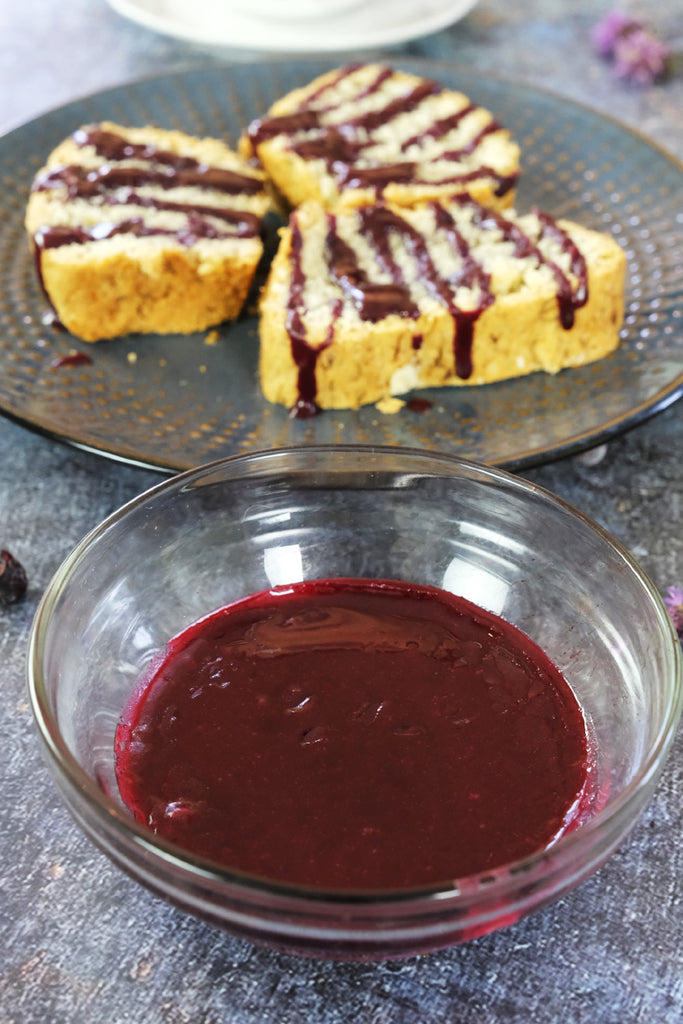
(117, 185)
(569, 298)
(303, 354)
(418, 405)
(376, 178)
(377, 223)
(440, 128)
(474, 143)
(84, 182)
(63, 234)
(308, 116)
(342, 145)
(374, 301)
(79, 184)
(552, 229)
(262, 129)
(354, 734)
(374, 119)
(181, 170)
(72, 359)
(331, 83)
(334, 148)
(472, 275)
(112, 146)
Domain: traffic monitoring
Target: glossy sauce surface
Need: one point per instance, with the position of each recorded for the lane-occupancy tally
(354, 734)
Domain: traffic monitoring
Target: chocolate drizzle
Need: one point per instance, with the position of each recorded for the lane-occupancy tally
(569, 297)
(374, 119)
(86, 182)
(180, 170)
(375, 300)
(439, 128)
(309, 115)
(261, 130)
(303, 354)
(63, 234)
(346, 147)
(474, 143)
(552, 229)
(117, 184)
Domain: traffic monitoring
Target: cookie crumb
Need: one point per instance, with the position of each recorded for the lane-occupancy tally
(389, 405)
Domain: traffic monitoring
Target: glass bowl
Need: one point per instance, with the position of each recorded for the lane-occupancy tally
(242, 525)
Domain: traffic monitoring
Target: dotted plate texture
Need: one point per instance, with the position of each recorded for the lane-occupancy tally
(173, 402)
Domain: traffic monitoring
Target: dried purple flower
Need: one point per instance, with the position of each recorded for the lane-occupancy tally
(674, 602)
(638, 55)
(13, 579)
(613, 26)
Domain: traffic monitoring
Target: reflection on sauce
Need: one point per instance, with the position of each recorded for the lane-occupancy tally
(354, 734)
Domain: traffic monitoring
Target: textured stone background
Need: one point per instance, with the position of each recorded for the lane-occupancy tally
(81, 942)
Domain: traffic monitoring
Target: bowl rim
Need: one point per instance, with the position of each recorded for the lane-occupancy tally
(491, 883)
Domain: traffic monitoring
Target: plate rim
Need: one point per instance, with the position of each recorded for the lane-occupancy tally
(525, 458)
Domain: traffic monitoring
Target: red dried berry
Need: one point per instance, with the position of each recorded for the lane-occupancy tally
(13, 579)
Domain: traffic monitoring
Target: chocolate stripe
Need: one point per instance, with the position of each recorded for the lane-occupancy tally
(569, 299)
(84, 182)
(303, 354)
(375, 301)
(440, 128)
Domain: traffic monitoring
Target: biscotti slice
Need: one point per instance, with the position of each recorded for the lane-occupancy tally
(367, 302)
(139, 229)
(367, 132)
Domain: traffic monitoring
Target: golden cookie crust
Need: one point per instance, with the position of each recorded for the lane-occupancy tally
(476, 151)
(154, 282)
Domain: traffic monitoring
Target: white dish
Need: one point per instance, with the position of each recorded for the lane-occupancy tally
(217, 23)
(295, 9)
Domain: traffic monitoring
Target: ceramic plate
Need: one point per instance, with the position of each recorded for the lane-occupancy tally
(220, 23)
(174, 402)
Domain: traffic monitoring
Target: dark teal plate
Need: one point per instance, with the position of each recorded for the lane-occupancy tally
(174, 402)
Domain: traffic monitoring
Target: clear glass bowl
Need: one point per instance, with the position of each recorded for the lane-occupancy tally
(242, 525)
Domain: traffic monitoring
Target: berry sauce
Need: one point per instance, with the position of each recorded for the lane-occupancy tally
(354, 734)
